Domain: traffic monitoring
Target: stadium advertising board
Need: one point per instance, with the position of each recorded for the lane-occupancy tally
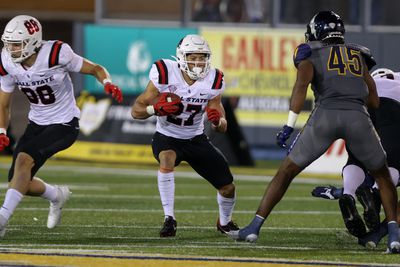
(109, 134)
(259, 70)
(128, 53)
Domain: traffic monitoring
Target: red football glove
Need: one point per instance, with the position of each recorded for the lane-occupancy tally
(4, 141)
(114, 90)
(213, 115)
(163, 107)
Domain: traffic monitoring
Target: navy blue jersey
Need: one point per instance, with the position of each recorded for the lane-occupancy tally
(338, 81)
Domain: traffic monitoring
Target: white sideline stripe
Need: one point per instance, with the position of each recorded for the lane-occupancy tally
(181, 174)
(157, 197)
(78, 187)
(216, 245)
(265, 228)
(297, 212)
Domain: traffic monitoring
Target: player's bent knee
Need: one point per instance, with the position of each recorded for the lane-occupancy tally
(227, 190)
(167, 159)
(24, 161)
(289, 169)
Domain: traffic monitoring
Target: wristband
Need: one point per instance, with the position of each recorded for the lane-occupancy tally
(150, 110)
(106, 80)
(3, 131)
(292, 118)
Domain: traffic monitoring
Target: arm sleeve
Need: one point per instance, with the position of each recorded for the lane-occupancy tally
(69, 59)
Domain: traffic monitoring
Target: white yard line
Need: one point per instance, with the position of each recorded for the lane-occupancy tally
(297, 212)
(265, 228)
(157, 197)
(214, 245)
(180, 174)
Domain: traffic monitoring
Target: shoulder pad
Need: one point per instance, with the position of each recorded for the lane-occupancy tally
(369, 59)
(218, 80)
(302, 52)
(162, 71)
(55, 53)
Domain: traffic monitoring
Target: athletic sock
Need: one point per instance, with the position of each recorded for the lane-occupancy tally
(226, 206)
(166, 187)
(393, 232)
(353, 177)
(394, 174)
(50, 192)
(11, 201)
(256, 223)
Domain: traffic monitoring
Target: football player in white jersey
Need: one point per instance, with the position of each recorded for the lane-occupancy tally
(40, 69)
(180, 126)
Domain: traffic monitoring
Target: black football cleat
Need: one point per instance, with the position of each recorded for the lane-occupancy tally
(169, 227)
(231, 226)
(351, 218)
(371, 215)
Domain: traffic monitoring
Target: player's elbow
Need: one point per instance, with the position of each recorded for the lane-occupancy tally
(136, 114)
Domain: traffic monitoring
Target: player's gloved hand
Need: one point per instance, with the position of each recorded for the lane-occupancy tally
(213, 115)
(166, 105)
(283, 136)
(4, 141)
(114, 90)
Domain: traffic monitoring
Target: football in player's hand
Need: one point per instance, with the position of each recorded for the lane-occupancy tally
(168, 104)
(168, 97)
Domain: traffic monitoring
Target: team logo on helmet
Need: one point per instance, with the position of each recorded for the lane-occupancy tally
(324, 25)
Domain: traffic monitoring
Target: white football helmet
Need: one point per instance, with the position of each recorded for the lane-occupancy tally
(383, 73)
(26, 31)
(193, 44)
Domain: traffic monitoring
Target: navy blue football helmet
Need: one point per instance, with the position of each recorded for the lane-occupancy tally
(325, 24)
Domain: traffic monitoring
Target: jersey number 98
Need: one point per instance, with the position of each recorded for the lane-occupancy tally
(43, 93)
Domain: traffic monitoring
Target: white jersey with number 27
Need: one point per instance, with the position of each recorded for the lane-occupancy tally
(167, 77)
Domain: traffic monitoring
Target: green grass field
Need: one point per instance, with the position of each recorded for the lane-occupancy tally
(118, 210)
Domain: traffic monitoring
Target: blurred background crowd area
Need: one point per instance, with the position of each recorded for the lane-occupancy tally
(273, 12)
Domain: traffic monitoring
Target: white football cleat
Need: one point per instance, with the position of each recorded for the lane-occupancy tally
(3, 225)
(393, 248)
(251, 238)
(54, 217)
(370, 245)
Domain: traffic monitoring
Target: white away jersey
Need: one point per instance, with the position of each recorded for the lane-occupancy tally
(46, 83)
(388, 88)
(167, 77)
